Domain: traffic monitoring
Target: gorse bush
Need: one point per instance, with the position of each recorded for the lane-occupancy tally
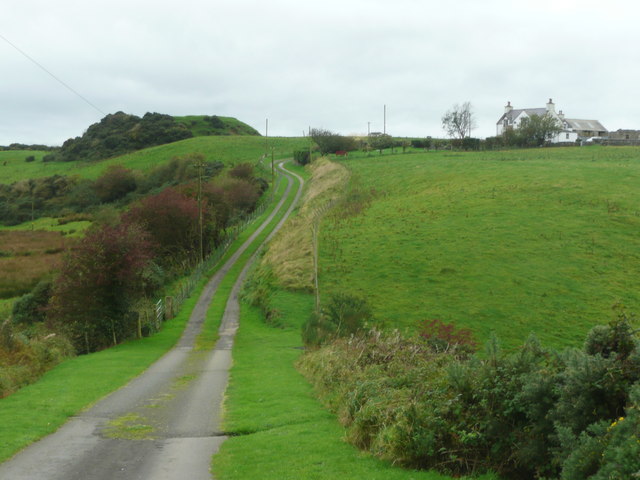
(532, 413)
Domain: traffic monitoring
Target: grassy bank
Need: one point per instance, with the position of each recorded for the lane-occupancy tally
(505, 242)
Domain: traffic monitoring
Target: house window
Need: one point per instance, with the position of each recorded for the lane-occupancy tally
(566, 136)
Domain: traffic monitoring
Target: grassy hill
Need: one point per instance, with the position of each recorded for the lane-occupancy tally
(227, 149)
(542, 241)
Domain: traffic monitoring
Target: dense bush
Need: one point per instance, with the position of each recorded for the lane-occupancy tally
(380, 141)
(242, 170)
(532, 413)
(30, 308)
(214, 121)
(171, 219)
(114, 183)
(342, 315)
(421, 143)
(25, 354)
(99, 281)
(466, 143)
(330, 142)
(302, 157)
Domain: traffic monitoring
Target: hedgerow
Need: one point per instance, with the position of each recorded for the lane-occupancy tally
(530, 413)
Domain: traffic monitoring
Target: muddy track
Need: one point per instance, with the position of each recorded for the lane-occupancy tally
(164, 424)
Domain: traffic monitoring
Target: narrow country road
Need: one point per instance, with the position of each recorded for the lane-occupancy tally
(165, 424)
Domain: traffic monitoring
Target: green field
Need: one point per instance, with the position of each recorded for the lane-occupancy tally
(512, 242)
(226, 149)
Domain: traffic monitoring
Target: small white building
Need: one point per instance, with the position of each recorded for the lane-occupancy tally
(572, 129)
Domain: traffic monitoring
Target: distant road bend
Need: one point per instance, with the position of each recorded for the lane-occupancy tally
(164, 424)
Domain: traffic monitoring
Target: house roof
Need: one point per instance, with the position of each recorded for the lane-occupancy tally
(593, 125)
(515, 113)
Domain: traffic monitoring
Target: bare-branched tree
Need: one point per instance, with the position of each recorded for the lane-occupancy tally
(459, 121)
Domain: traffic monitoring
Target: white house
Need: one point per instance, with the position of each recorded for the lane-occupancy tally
(572, 129)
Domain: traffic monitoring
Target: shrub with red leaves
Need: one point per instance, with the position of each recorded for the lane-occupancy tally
(99, 280)
(171, 218)
(442, 336)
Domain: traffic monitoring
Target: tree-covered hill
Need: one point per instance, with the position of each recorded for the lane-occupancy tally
(121, 133)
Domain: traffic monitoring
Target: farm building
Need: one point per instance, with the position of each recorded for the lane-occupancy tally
(621, 134)
(573, 129)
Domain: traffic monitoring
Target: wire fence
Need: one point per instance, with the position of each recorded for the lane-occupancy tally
(185, 288)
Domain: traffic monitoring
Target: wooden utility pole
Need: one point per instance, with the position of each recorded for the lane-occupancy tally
(266, 138)
(200, 165)
(310, 144)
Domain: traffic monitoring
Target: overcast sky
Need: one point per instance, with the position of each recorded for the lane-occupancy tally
(329, 63)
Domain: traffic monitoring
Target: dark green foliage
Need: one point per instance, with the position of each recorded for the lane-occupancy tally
(30, 158)
(330, 142)
(120, 133)
(33, 198)
(380, 141)
(341, 316)
(302, 157)
(59, 195)
(22, 146)
(534, 131)
(258, 290)
(466, 143)
(615, 339)
(114, 184)
(214, 121)
(30, 308)
(421, 143)
(531, 413)
(621, 456)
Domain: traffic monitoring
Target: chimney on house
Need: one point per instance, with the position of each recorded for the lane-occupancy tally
(508, 107)
(551, 108)
(561, 115)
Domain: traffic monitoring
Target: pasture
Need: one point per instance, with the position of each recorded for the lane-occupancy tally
(512, 242)
(227, 149)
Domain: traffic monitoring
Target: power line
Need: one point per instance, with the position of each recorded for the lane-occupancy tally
(52, 75)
